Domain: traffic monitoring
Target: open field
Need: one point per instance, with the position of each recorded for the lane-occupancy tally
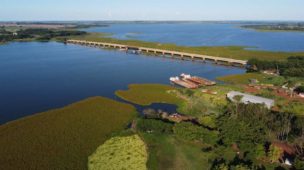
(201, 104)
(62, 138)
(146, 94)
(120, 153)
(234, 52)
(166, 152)
(243, 78)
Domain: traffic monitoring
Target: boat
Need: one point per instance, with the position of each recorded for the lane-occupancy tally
(197, 80)
(183, 83)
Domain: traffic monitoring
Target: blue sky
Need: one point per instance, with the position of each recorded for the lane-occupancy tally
(151, 10)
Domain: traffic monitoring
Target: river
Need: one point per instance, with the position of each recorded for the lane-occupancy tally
(206, 34)
(37, 76)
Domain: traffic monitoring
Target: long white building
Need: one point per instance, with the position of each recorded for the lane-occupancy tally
(248, 98)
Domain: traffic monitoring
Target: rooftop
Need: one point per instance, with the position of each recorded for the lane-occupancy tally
(248, 98)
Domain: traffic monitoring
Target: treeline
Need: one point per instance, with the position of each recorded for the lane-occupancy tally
(37, 34)
(292, 67)
(278, 27)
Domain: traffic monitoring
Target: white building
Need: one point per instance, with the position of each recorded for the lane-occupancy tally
(247, 98)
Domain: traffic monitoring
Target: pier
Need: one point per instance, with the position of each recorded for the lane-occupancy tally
(182, 55)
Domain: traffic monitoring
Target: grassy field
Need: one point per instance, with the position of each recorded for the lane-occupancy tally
(234, 52)
(243, 78)
(200, 104)
(120, 153)
(166, 152)
(146, 94)
(62, 138)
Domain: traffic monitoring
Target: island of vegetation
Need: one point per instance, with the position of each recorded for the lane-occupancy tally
(277, 27)
(62, 138)
(157, 93)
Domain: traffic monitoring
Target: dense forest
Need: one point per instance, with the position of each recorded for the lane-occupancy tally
(292, 67)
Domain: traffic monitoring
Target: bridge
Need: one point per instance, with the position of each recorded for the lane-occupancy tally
(182, 55)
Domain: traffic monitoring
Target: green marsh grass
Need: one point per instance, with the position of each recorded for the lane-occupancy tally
(146, 94)
(62, 138)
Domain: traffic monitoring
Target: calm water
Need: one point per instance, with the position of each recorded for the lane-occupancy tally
(207, 34)
(36, 76)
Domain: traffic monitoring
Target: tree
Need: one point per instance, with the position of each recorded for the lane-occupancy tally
(156, 126)
(299, 141)
(191, 132)
(275, 154)
(280, 125)
(299, 89)
(247, 128)
(298, 163)
(293, 66)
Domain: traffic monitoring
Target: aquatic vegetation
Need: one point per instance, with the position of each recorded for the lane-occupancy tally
(120, 153)
(146, 94)
(62, 138)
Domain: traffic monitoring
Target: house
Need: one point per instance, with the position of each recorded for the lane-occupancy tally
(247, 98)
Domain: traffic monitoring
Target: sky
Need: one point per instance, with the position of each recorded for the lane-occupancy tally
(203, 10)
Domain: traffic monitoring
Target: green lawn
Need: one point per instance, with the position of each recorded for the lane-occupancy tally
(146, 94)
(166, 152)
(120, 153)
(62, 138)
(234, 52)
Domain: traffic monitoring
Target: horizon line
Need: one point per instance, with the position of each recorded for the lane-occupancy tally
(113, 20)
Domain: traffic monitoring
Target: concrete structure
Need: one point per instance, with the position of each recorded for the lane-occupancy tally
(247, 98)
(182, 55)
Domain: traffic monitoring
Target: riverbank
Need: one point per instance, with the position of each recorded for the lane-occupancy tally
(234, 52)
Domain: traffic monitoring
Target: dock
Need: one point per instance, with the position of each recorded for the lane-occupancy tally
(182, 55)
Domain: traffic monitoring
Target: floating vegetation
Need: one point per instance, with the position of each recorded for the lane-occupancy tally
(120, 153)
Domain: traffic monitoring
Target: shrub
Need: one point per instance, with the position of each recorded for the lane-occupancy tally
(152, 125)
(191, 132)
